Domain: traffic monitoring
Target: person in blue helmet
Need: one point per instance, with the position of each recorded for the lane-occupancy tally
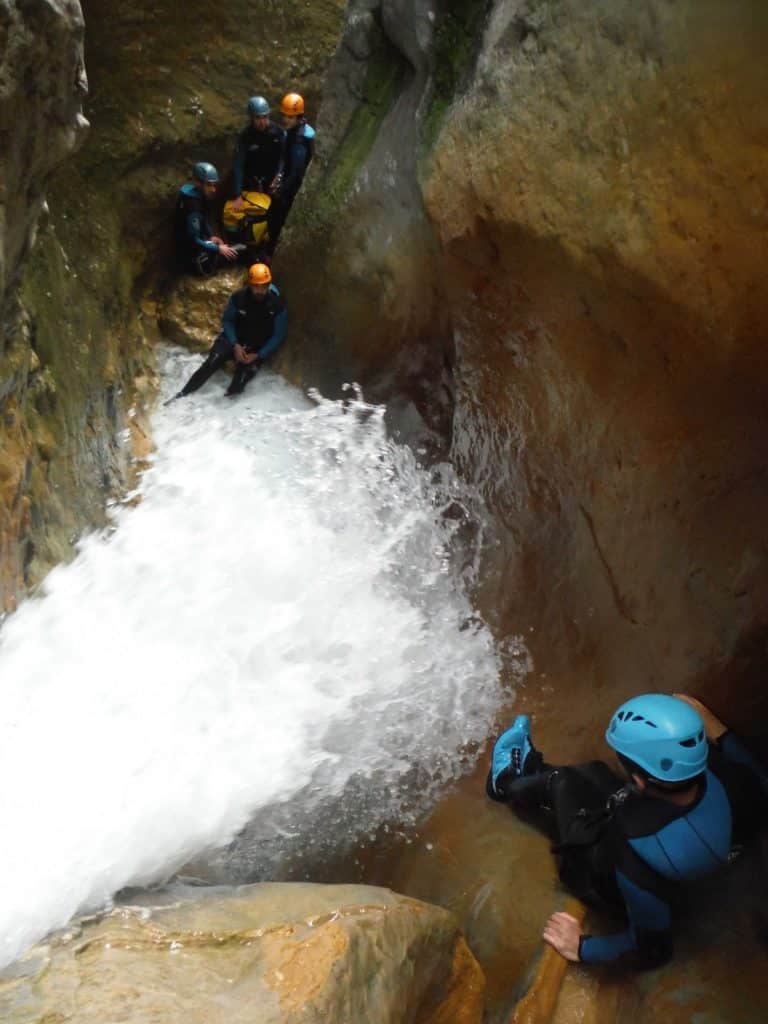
(630, 846)
(299, 150)
(198, 250)
(259, 153)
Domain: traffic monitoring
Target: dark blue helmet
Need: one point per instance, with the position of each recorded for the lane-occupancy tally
(662, 735)
(258, 107)
(205, 172)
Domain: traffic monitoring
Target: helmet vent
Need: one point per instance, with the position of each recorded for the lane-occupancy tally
(629, 716)
(666, 764)
(693, 741)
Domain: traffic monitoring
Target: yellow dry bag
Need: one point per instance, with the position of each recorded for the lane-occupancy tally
(250, 222)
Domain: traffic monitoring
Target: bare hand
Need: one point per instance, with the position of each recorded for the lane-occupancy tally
(227, 251)
(238, 204)
(250, 357)
(713, 727)
(563, 932)
(239, 353)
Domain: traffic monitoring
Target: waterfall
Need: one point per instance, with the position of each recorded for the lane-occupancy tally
(280, 621)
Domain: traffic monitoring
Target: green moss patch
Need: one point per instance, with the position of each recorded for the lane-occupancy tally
(457, 42)
(384, 80)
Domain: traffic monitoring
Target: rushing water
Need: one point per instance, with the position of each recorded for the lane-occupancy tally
(276, 635)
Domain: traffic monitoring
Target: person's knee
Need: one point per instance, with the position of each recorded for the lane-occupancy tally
(220, 349)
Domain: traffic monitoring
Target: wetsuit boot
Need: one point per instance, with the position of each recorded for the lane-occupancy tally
(243, 373)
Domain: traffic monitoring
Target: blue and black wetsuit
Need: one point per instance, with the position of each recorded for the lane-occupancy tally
(192, 229)
(620, 848)
(299, 150)
(257, 323)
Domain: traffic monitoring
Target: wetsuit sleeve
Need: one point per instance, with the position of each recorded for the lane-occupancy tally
(734, 752)
(278, 335)
(299, 157)
(228, 321)
(195, 231)
(281, 163)
(648, 938)
(238, 167)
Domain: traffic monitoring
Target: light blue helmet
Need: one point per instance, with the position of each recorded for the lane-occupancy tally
(662, 735)
(258, 107)
(205, 172)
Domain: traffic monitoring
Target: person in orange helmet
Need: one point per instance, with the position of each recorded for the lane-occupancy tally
(299, 148)
(254, 324)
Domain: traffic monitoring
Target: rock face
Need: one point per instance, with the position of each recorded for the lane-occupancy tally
(262, 954)
(561, 262)
(598, 191)
(560, 256)
(42, 83)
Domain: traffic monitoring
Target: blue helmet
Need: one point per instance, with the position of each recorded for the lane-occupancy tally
(205, 172)
(258, 107)
(662, 735)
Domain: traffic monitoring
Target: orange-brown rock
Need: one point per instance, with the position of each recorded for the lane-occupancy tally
(263, 954)
(597, 194)
(189, 312)
(554, 241)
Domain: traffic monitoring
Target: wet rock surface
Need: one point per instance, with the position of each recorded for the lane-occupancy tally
(42, 84)
(270, 953)
(189, 311)
(579, 280)
(557, 257)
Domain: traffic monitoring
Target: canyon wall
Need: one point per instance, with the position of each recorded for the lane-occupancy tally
(554, 242)
(42, 84)
(168, 87)
(536, 228)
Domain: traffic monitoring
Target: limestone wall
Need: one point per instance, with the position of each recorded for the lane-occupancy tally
(557, 241)
(42, 83)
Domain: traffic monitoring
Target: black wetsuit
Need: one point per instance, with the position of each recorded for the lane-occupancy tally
(258, 158)
(195, 251)
(622, 849)
(258, 324)
(299, 150)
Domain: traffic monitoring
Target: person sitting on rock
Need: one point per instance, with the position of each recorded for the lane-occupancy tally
(299, 150)
(198, 250)
(253, 328)
(258, 154)
(630, 847)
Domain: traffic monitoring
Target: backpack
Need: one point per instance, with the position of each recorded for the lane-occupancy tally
(250, 223)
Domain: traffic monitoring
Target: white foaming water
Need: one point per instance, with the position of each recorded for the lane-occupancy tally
(276, 625)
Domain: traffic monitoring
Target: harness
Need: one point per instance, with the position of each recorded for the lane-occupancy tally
(263, 157)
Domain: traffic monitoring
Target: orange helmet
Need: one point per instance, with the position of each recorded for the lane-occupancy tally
(259, 273)
(292, 105)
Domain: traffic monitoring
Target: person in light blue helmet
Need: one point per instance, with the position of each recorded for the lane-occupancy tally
(198, 249)
(630, 846)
